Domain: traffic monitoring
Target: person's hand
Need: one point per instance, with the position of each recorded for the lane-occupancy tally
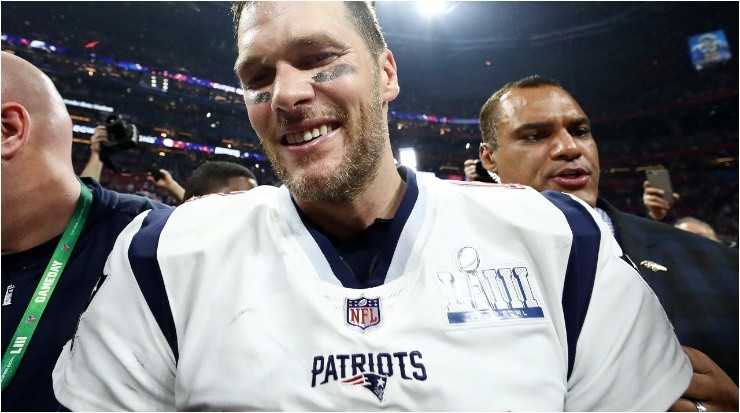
(100, 135)
(710, 386)
(470, 174)
(94, 166)
(657, 207)
(165, 182)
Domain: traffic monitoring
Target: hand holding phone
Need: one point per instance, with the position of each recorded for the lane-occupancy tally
(661, 179)
(156, 174)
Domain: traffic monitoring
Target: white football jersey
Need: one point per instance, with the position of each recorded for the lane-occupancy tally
(495, 298)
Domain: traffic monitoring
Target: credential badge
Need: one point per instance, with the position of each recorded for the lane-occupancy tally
(363, 313)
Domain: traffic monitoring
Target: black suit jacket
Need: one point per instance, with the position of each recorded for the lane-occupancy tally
(696, 280)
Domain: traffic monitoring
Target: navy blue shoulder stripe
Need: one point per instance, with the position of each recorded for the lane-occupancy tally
(142, 255)
(581, 271)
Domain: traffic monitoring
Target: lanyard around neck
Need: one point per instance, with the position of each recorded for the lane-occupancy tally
(22, 337)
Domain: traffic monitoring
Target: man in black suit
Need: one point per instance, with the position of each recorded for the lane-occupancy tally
(535, 133)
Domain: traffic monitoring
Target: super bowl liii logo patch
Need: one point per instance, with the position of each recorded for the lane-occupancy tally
(494, 294)
(363, 313)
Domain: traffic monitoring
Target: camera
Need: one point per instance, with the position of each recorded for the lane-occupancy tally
(121, 135)
(482, 173)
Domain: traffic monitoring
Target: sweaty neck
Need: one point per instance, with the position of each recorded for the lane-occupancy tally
(36, 211)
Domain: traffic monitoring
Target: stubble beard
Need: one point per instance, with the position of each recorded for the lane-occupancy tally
(364, 139)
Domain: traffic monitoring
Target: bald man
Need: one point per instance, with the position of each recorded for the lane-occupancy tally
(698, 227)
(57, 232)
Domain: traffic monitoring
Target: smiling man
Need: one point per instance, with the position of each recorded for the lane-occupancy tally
(319, 104)
(358, 285)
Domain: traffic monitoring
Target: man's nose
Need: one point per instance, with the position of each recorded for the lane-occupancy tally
(292, 89)
(565, 146)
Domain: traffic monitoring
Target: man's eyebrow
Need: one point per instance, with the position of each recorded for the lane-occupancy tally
(313, 40)
(546, 124)
(533, 125)
(318, 39)
(580, 121)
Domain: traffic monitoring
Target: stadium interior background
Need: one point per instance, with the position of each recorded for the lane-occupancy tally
(167, 67)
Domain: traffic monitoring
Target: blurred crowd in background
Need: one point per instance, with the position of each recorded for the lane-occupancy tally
(691, 128)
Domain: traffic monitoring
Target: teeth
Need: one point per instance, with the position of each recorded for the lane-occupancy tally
(307, 135)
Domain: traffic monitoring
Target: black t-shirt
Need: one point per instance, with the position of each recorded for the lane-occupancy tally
(31, 389)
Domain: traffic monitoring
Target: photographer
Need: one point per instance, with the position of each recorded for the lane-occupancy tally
(115, 136)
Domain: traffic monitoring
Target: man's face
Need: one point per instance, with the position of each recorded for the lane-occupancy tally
(315, 96)
(545, 142)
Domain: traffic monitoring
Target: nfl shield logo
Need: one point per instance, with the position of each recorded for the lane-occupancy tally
(363, 313)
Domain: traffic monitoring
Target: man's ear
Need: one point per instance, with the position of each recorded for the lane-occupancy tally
(388, 76)
(487, 156)
(15, 129)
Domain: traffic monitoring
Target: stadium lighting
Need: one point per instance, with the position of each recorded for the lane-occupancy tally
(431, 8)
(407, 157)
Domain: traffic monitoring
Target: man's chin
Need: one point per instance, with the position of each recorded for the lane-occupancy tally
(318, 185)
(586, 195)
(315, 169)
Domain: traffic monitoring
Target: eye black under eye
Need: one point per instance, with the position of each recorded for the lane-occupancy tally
(261, 97)
(333, 72)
